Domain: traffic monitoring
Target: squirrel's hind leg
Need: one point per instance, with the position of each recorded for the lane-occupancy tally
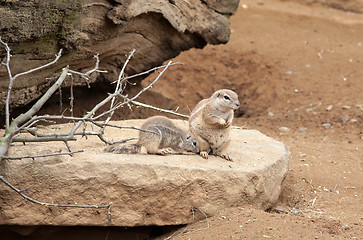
(204, 147)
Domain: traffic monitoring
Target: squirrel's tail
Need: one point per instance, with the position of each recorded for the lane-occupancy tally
(124, 149)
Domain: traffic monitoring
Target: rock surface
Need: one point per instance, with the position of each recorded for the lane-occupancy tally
(158, 30)
(144, 189)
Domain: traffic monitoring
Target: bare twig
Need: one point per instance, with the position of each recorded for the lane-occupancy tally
(35, 108)
(67, 145)
(155, 108)
(109, 213)
(51, 204)
(153, 82)
(152, 70)
(60, 100)
(123, 127)
(41, 155)
(118, 87)
(115, 142)
(88, 73)
(71, 100)
(312, 204)
(205, 215)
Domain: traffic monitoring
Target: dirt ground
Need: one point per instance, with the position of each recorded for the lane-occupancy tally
(297, 69)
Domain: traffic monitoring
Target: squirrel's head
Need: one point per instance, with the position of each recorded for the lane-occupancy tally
(226, 99)
(190, 143)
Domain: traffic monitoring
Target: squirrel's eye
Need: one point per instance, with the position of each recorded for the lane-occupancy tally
(226, 97)
(194, 143)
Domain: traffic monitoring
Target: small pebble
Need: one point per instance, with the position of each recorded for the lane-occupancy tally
(303, 129)
(326, 125)
(329, 108)
(346, 107)
(284, 129)
(346, 227)
(344, 118)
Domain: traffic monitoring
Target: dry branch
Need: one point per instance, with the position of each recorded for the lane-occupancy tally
(12, 129)
(41, 155)
(155, 108)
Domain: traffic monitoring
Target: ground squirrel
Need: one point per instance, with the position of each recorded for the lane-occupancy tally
(210, 122)
(159, 135)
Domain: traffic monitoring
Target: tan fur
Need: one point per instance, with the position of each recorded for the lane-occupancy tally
(210, 122)
(159, 135)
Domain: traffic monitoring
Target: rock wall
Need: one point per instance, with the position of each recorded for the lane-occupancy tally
(158, 30)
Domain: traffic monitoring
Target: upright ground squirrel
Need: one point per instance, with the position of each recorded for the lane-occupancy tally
(210, 122)
(159, 135)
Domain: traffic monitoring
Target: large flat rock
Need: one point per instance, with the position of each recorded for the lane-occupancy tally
(144, 189)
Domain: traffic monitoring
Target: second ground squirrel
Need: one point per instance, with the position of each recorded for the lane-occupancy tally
(210, 122)
(159, 135)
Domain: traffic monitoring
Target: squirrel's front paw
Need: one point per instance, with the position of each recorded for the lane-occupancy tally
(165, 151)
(204, 154)
(227, 124)
(226, 156)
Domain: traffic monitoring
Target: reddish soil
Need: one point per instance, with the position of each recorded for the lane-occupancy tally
(295, 68)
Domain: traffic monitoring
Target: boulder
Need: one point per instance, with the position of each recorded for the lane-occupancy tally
(144, 189)
(158, 30)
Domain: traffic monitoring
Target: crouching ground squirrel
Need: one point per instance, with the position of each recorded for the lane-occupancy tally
(159, 135)
(210, 122)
